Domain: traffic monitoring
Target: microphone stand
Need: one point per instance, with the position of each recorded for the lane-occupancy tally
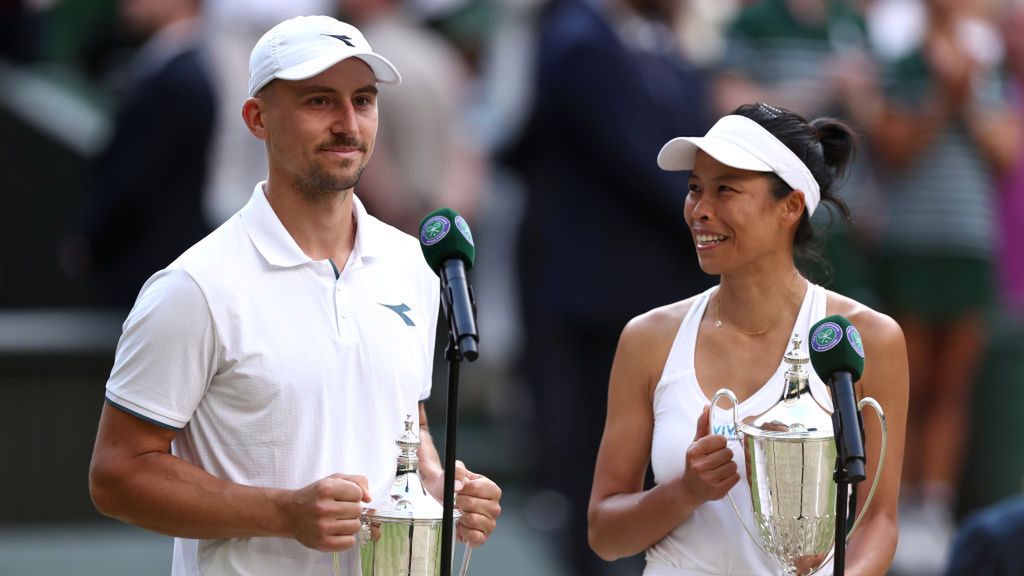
(454, 357)
(842, 488)
(843, 479)
(453, 354)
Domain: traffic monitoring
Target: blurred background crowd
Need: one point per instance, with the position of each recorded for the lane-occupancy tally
(539, 121)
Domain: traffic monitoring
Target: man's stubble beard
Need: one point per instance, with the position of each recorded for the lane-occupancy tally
(317, 184)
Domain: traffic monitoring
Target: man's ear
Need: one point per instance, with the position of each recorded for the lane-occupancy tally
(252, 114)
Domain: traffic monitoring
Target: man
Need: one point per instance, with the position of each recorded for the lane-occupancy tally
(263, 377)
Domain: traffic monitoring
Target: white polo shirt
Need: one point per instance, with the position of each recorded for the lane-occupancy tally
(277, 373)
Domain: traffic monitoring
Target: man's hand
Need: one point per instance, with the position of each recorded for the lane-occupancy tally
(710, 470)
(477, 497)
(325, 515)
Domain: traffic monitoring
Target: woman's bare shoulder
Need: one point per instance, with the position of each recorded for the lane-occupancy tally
(646, 342)
(886, 372)
(647, 338)
(874, 326)
(660, 323)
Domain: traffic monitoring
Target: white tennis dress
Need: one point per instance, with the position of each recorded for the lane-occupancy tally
(712, 541)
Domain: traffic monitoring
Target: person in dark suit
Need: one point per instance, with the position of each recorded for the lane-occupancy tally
(988, 542)
(146, 201)
(600, 241)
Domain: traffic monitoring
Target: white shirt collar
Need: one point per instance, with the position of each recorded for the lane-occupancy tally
(278, 247)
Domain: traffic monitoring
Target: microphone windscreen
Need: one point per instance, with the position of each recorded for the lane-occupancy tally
(445, 235)
(835, 346)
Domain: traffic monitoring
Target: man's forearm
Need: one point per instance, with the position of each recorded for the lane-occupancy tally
(431, 468)
(135, 478)
(165, 494)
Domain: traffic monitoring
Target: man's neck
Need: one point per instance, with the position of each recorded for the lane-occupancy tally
(323, 228)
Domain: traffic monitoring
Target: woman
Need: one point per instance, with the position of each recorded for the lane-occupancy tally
(756, 178)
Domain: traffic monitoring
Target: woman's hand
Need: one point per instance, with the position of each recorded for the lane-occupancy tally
(710, 470)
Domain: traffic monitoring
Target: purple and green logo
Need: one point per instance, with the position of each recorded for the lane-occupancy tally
(434, 230)
(826, 337)
(855, 341)
(463, 227)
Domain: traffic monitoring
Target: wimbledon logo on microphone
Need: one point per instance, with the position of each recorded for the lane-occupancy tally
(434, 230)
(855, 341)
(463, 227)
(826, 337)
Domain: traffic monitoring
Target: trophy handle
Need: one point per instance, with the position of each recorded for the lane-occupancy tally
(467, 552)
(465, 560)
(726, 393)
(878, 472)
(881, 458)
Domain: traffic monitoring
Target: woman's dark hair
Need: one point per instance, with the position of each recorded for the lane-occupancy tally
(827, 147)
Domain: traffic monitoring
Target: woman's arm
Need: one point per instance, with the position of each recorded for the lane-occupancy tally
(886, 379)
(623, 518)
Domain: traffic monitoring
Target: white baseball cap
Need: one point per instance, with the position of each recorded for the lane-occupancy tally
(305, 46)
(742, 143)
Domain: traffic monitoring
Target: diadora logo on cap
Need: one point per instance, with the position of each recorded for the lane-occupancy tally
(400, 309)
(826, 337)
(855, 341)
(346, 39)
(434, 230)
(463, 227)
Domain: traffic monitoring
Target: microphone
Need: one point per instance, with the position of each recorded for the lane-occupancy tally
(837, 355)
(448, 247)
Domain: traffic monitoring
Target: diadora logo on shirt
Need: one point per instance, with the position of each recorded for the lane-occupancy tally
(400, 309)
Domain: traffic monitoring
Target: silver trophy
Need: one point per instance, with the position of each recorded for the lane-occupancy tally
(790, 454)
(403, 537)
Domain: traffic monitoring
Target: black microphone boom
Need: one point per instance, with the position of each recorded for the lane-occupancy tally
(850, 444)
(837, 355)
(447, 245)
(459, 307)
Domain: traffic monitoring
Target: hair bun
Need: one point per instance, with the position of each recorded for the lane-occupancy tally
(838, 143)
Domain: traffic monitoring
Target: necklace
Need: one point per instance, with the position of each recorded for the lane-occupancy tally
(782, 312)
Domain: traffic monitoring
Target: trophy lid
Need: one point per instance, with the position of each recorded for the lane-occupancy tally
(797, 415)
(796, 356)
(409, 499)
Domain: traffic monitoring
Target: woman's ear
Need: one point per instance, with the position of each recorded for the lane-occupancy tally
(793, 207)
(252, 114)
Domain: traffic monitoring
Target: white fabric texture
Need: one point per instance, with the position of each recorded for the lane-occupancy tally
(742, 143)
(712, 541)
(277, 373)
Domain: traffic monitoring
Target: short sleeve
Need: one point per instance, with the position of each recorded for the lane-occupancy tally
(166, 356)
(432, 291)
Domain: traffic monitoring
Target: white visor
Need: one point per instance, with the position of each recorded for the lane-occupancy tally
(740, 142)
